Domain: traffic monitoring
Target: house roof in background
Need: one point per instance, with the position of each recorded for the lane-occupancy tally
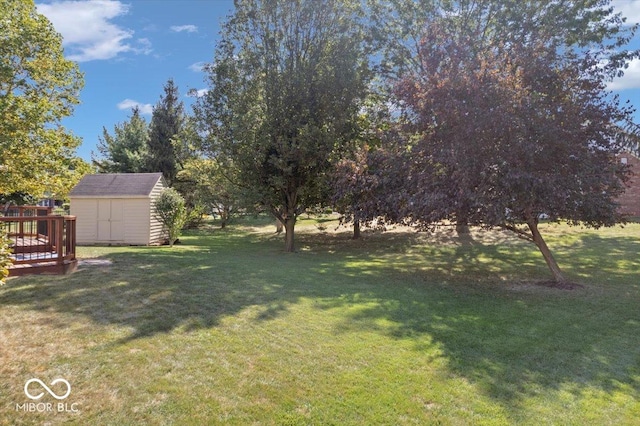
(116, 184)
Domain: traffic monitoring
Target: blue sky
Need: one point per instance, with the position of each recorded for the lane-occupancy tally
(129, 49)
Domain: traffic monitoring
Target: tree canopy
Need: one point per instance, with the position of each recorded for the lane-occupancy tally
(286, 84)
(124, 151)
(513, 124)
(208, 187)
(38, 88)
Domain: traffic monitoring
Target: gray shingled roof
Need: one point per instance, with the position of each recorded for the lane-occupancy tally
(113, 184)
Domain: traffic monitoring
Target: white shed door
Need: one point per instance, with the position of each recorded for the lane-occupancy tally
(110, 220)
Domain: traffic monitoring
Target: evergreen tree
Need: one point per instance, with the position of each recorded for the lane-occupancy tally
(126, 150)
(167, 121)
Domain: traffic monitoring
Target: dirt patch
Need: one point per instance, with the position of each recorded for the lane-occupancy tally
(94, 262)
(564, 285)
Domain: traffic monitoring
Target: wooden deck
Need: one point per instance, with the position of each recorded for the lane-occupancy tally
(41, 243)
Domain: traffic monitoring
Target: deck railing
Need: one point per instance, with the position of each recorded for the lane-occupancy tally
(41, 243)
(28, 211)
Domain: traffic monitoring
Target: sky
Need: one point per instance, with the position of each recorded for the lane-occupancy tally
(129, 49)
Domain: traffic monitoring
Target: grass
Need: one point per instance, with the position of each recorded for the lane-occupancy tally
(398, 328)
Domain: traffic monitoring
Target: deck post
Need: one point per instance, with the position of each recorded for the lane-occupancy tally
(70, 236)
(59, 248)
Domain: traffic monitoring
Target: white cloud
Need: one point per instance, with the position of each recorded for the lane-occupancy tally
(87, 31)
(144, 46)
(187, 28)
(630, 80)
(629, 8)
(197, 67)
(130, 103)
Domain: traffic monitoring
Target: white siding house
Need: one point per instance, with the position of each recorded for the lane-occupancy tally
(117, 208)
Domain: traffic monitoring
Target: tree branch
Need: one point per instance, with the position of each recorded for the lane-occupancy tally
(519, 232)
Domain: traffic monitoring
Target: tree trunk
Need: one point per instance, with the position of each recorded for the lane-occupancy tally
(289, 225)
(279, 226)
(544, 249)
(462, 228)
(462, 224)
(356, 229)
(224, 216)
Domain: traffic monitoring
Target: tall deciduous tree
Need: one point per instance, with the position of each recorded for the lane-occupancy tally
(124, 151)
(353, 186)
(286, 84)
(367, 187)
(514, 128)
(166, 122)
(494, 26)
(38, 88)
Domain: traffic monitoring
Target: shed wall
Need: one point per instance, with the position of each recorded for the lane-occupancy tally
(86, 213)
(136, 213)
(157, 234)
(136, 221)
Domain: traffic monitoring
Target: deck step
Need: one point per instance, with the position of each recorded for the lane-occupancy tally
(53, 267)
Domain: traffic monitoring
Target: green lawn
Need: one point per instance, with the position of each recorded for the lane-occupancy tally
(398, 328)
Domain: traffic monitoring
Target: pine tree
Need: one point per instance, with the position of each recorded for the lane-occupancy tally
(166, 122)
(126, 150)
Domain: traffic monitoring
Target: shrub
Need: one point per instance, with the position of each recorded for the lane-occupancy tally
(195, 216)
(170, 210)
(5, 252)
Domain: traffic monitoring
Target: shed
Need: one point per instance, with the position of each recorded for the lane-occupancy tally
(117, 208)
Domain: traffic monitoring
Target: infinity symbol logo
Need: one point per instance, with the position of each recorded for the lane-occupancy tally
(52, 393)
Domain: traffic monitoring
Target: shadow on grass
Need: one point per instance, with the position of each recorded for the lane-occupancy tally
(511, 340)
(513, 346)
(611, 259)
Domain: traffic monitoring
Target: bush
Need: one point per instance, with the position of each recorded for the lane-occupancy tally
(5, 252)
(195, 217)
(170, 210)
